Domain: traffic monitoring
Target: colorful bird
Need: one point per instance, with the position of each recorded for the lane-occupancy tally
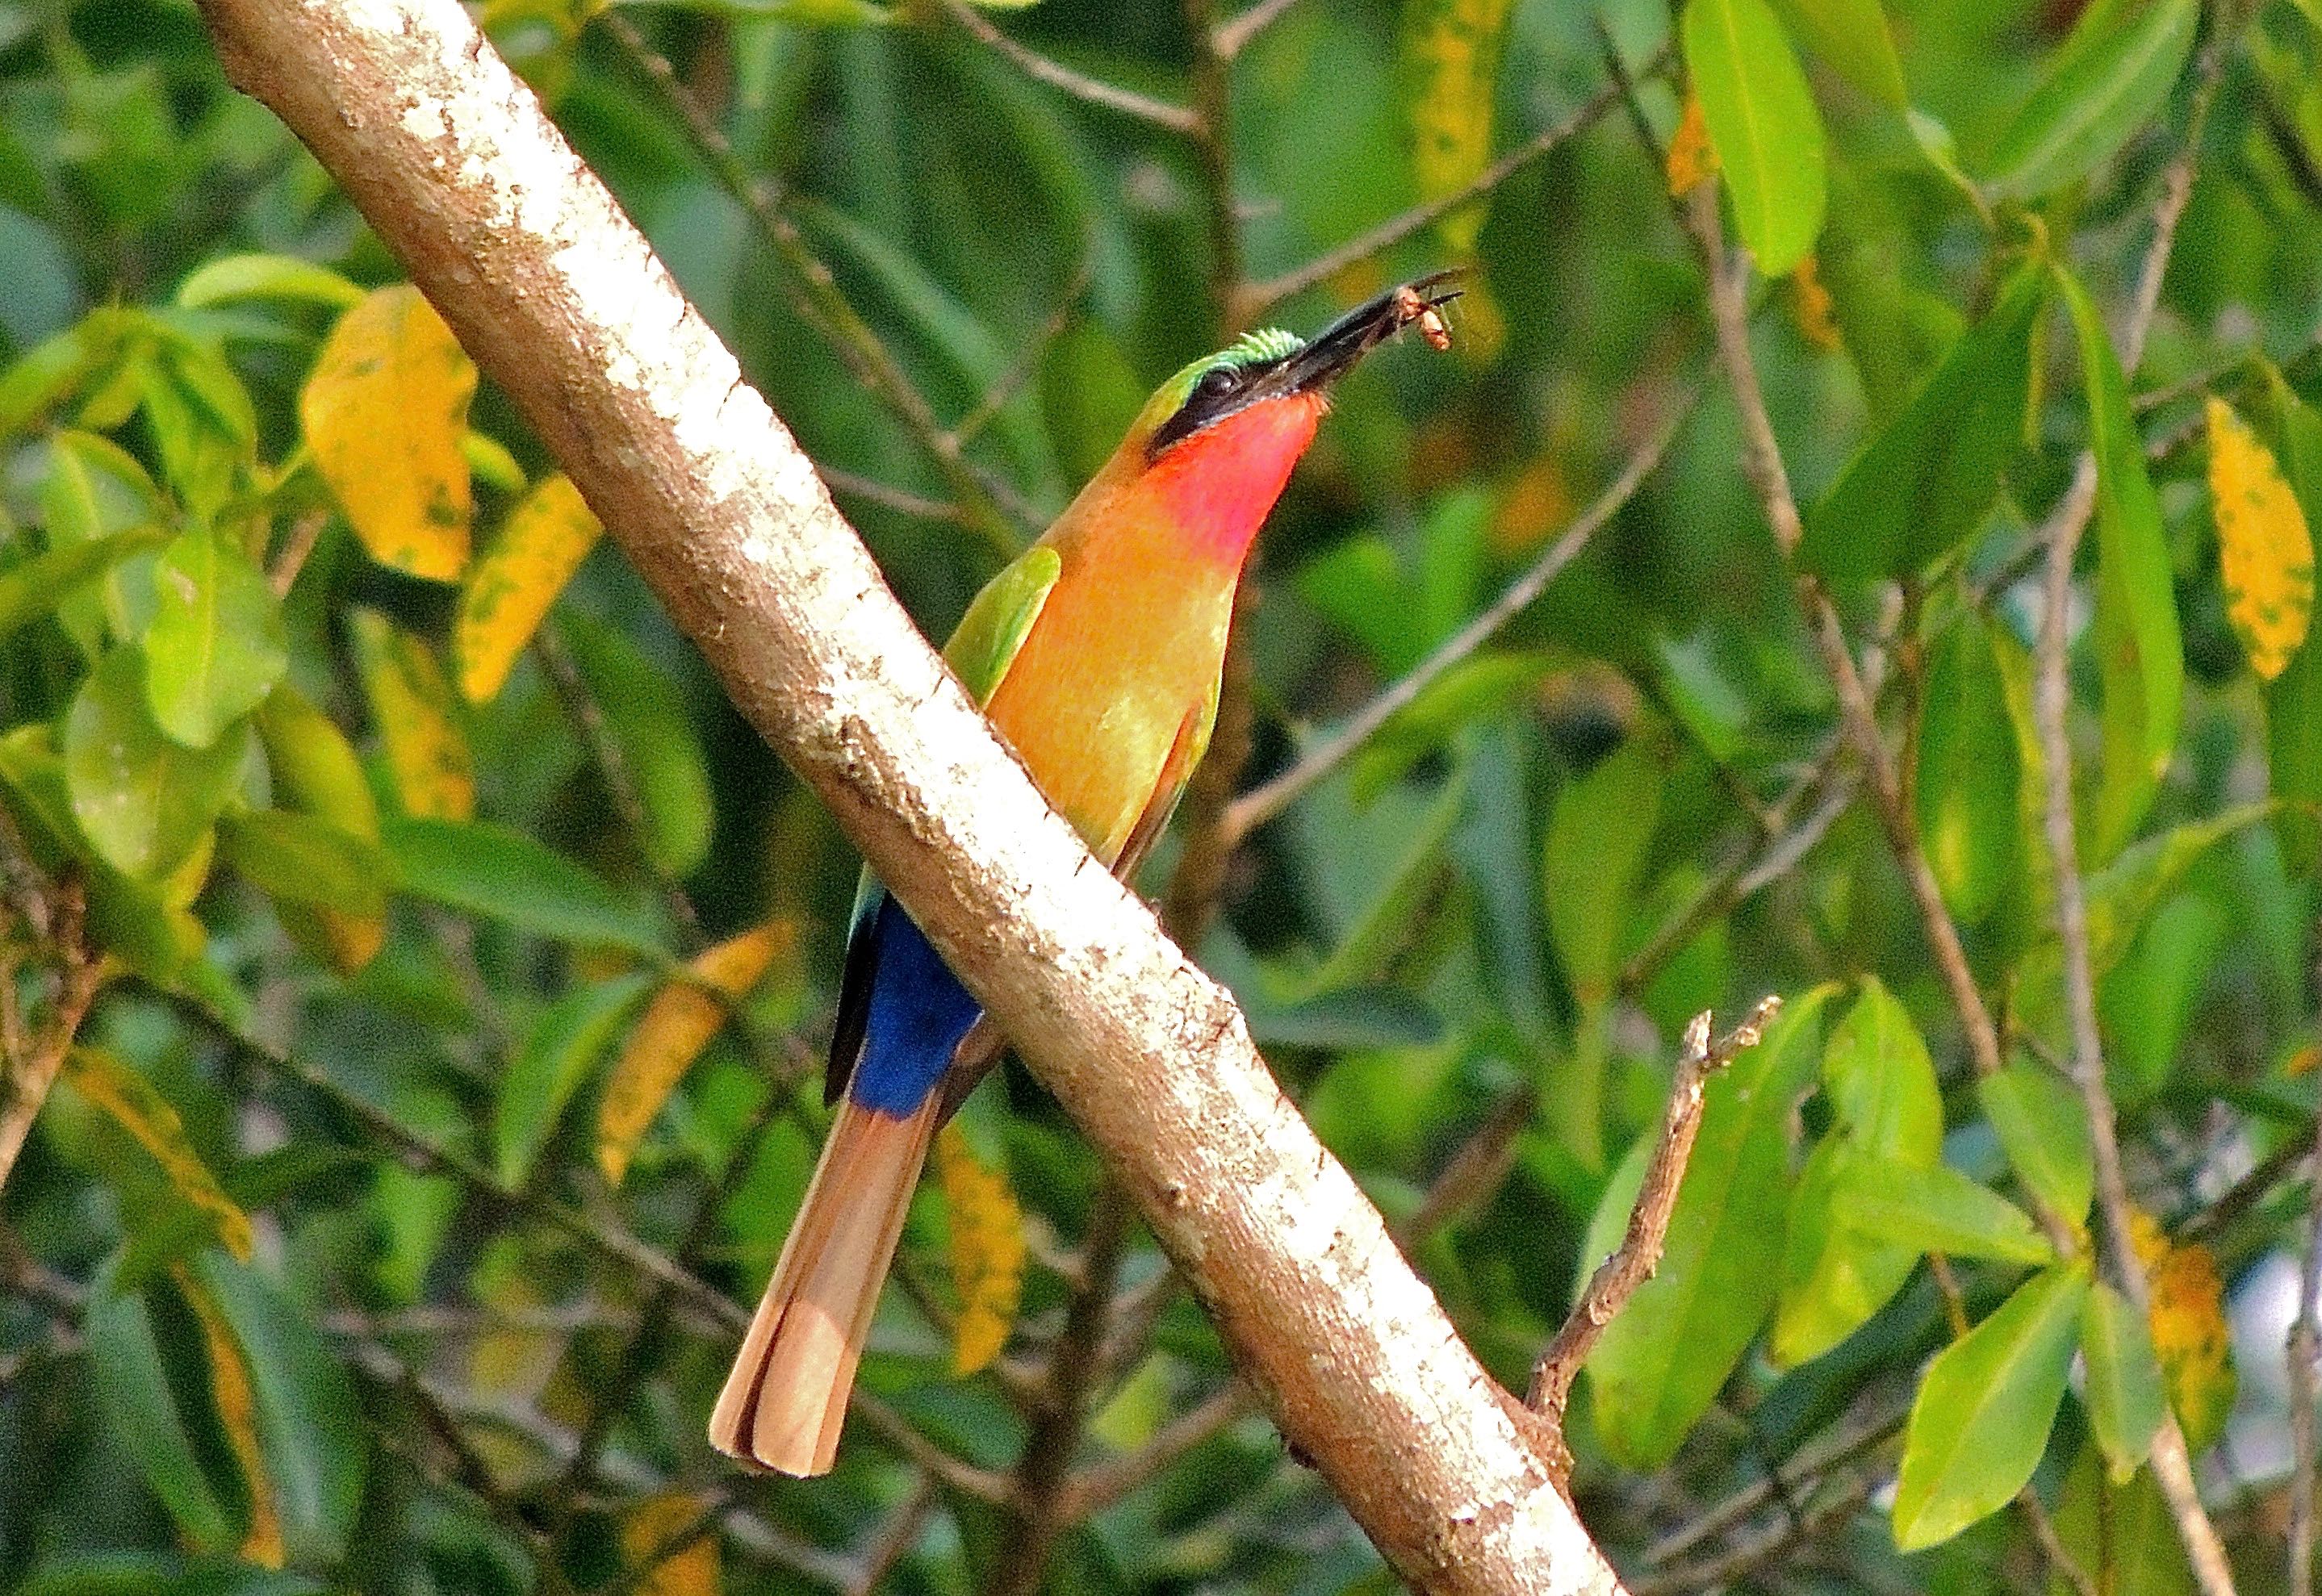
(1097, 654)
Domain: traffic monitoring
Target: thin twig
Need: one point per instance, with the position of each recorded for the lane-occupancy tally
(1762, 464)
(1092, 91)
(820, 300)
(1255, 808)
(1734, 1565)
(889, 497)
(1617, 1277)
(1020, 371)
(1258, 297)
(894, 1539)
(2052, 698)
(296, 545)
(1041, 1503)
(1231, 36)
(2305, 1352)
(1796, 1477)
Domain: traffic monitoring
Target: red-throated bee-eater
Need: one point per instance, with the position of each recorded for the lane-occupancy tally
(1097, 654)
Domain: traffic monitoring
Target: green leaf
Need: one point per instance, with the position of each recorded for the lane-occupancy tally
(2136, 635)
(2127, 1531)
(1980, 1420)
(310, 1424)
(1885, 1106)
(2124, 1392)
(1852, 36)
(1968, 782)
(137, 1396)
(304, 859)
(2147, 1002)
(1936, 1209)
(488, 870)
(2109, 79)
(2043, 1127)
(559, 1049)
(142, 801)
(1921, 486)
(92, 489)
(33, 589)
(1664, 1359)
(231, 277)
(1597, 836)
(216, 646)
(656, 740)
(1763, 122)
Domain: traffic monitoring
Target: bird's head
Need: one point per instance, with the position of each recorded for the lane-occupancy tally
(1216, 443)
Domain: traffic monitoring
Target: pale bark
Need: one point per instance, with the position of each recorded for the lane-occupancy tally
(562, 302)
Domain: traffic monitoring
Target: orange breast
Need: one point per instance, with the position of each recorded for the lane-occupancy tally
(1128, 643)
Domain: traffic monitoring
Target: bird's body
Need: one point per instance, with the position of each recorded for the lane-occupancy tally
(1097, 655)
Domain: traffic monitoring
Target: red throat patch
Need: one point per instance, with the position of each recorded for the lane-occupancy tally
(1219, 485)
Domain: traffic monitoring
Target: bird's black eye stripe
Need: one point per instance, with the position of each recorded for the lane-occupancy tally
(1219, 380)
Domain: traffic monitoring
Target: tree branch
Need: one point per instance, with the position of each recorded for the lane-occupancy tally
(1617, 1277)
(554, 294)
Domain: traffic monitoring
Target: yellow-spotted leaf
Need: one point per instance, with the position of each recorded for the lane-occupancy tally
(987, 1250)
(2265, 552)
(2189, 1333)
(236, 1402)
(412, 709)
(1810, 301)
(669, 1541)
(671, 1033)
(385, 410)
(543, 542)
(1451, 60)
(1692, 158)
(125, 1094)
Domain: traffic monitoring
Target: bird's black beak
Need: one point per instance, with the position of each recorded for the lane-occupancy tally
(1332, 353)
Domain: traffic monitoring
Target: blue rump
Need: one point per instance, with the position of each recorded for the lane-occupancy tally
(918, 1014)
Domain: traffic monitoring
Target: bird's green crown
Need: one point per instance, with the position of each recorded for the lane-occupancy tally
(1186, 389)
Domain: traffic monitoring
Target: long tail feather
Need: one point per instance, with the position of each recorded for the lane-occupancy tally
(787, 1396)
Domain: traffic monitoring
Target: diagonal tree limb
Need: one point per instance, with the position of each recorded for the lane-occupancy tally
(556, 295)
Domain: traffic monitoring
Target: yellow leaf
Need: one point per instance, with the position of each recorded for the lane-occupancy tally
(237, 1412)
(2188, 1330)
(545, 538)
(671, 1033)
(2303, 1061)
(125, 1094)
(987, 1250)
(663, 1528)
(1691, 156)
(412, 709)
(1451, 54)
(385, 411)
(2265, 552)
(1817, 317)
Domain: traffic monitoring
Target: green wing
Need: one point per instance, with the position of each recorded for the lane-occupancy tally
(996, 625)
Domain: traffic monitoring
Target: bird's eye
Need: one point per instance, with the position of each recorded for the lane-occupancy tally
(1218, 381)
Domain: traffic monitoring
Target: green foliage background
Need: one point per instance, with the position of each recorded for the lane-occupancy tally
(450, 1358)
